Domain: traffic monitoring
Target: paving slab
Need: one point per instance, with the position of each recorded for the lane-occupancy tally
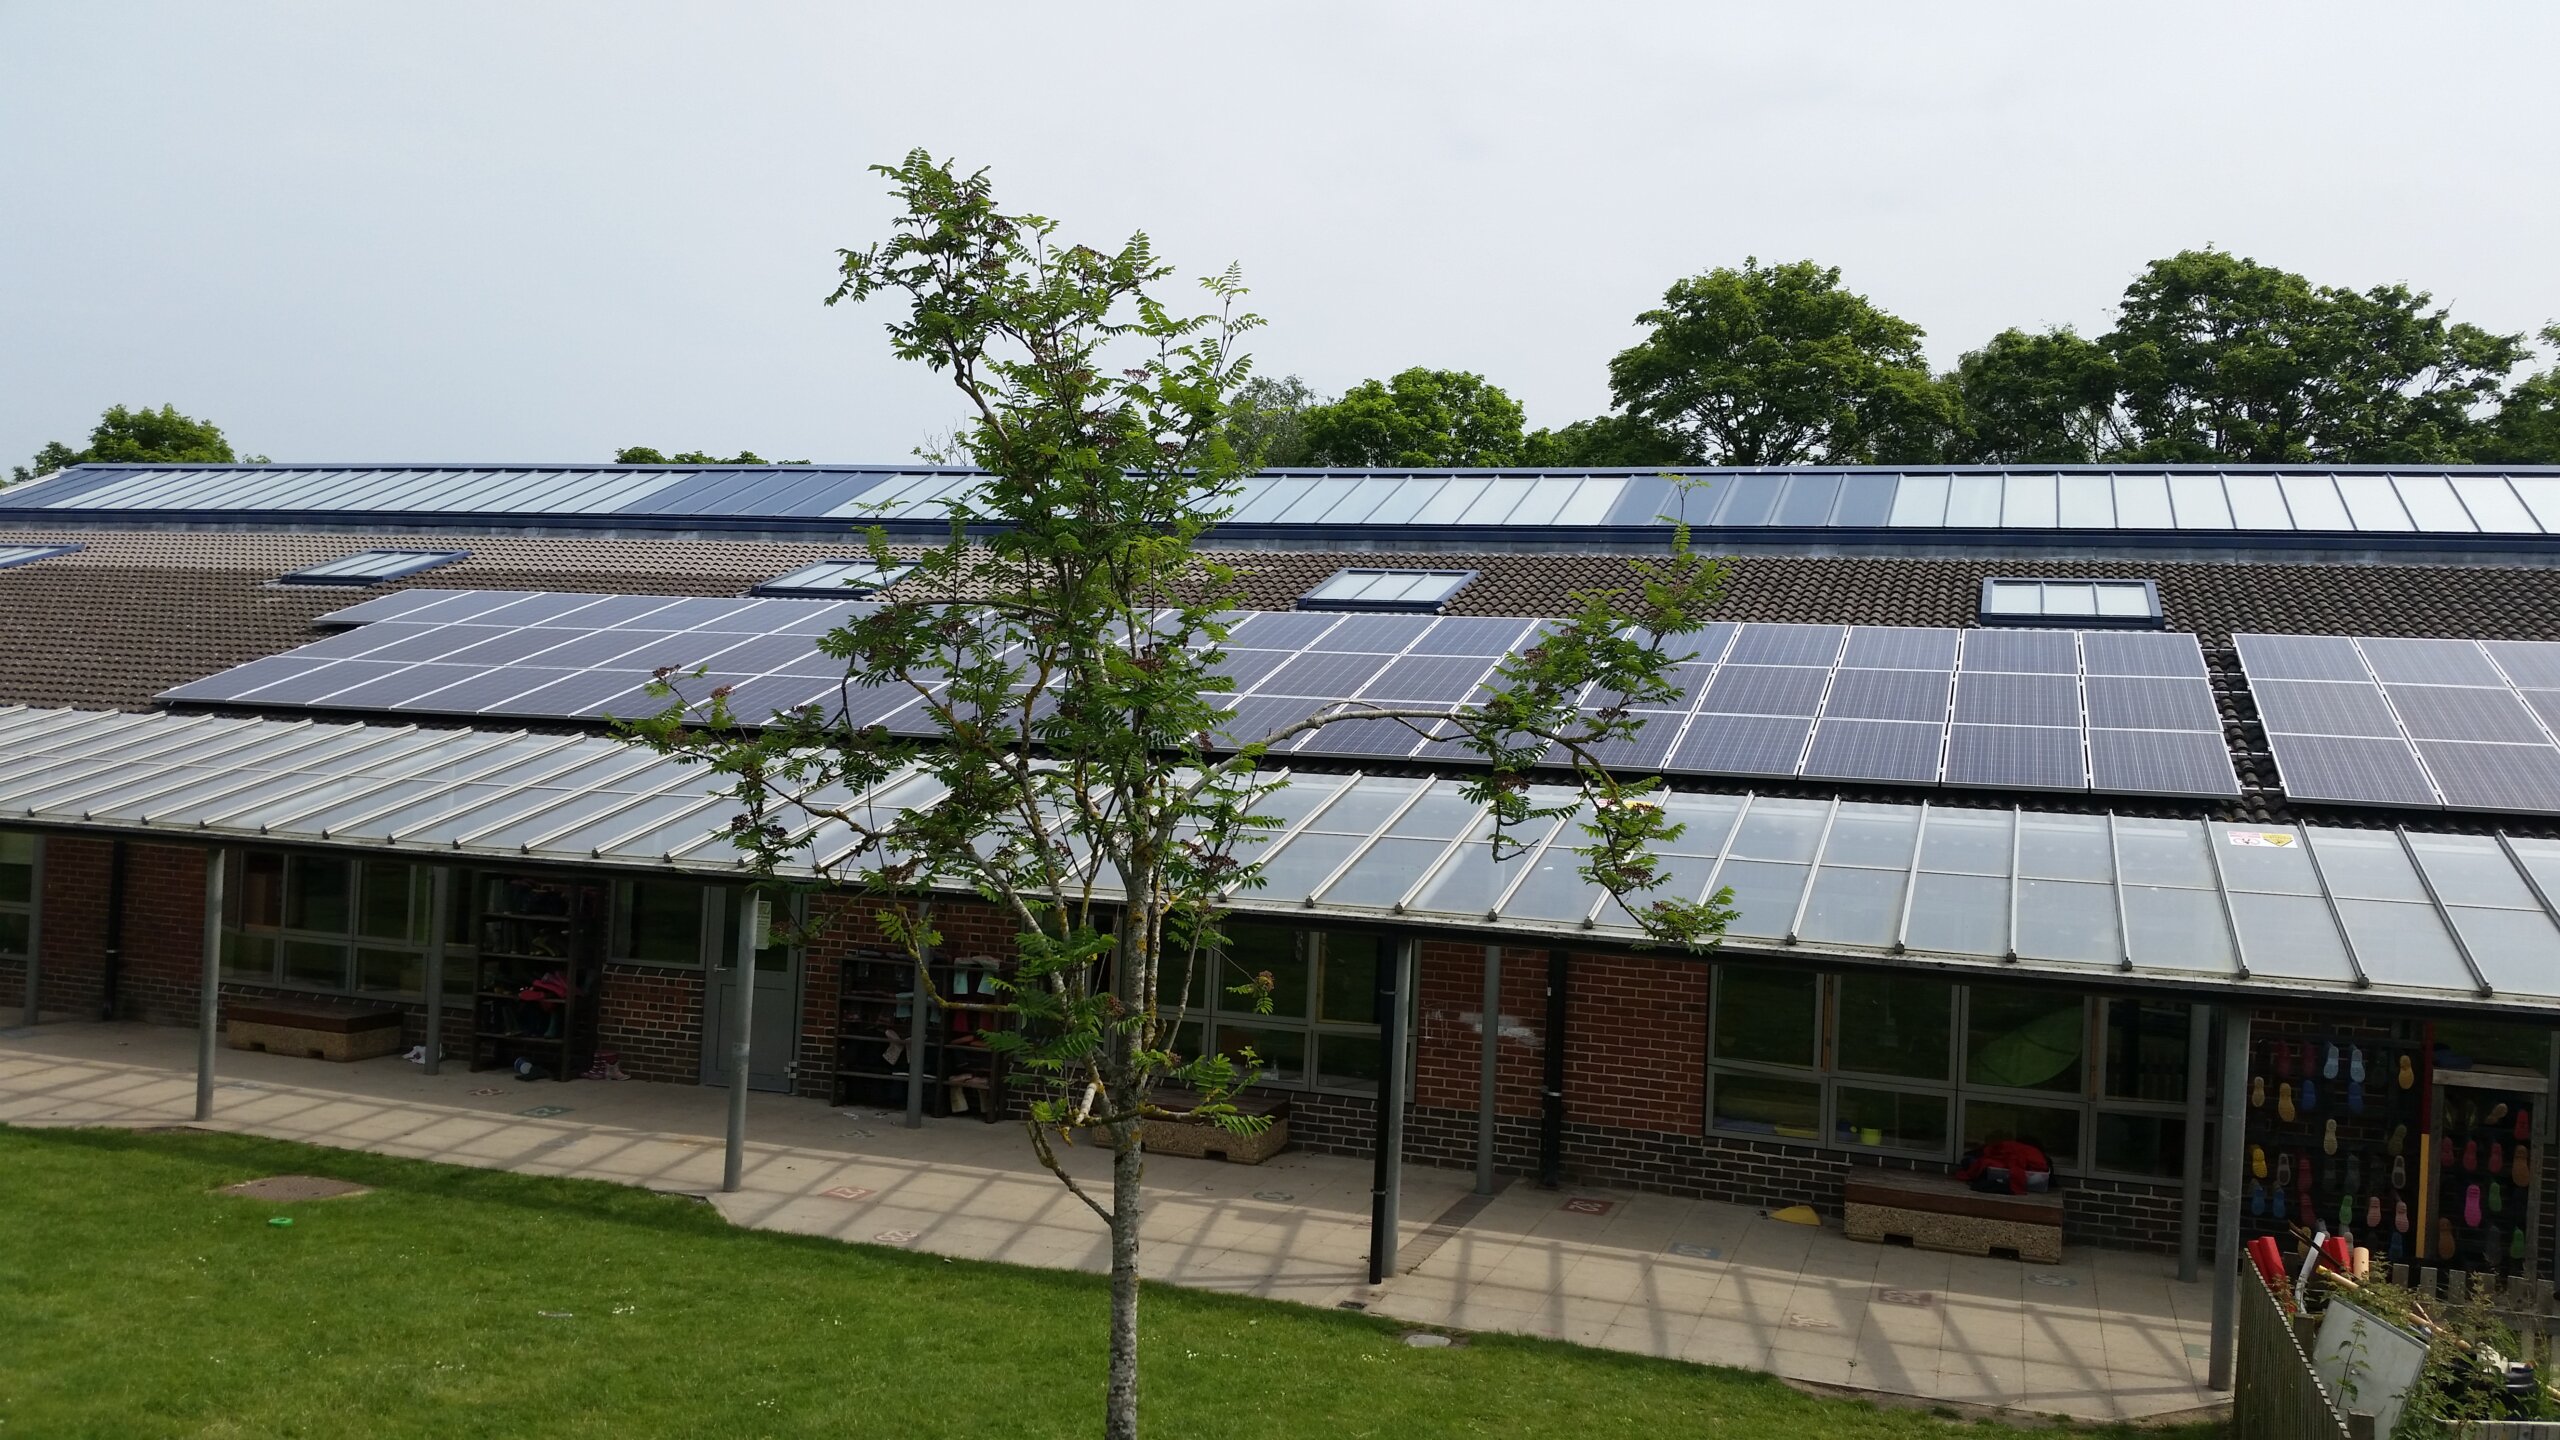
(2104, 1336)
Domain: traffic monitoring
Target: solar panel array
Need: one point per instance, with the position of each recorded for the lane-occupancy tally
(2462, 724)
(2193, 503)
(2129, 712)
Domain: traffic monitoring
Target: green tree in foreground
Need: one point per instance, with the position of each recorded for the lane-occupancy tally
(1106, 817)
(1780, 365)
(643, 455)
(138, 436)
(1418, 418)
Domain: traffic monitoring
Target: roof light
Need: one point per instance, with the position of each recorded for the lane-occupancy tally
(2072, 604)
(831, 578)
(371, 567)
(1418, 591)
(14, 555)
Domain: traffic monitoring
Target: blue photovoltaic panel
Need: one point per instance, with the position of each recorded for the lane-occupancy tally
(2039, 652)
(1875, 750)
(2161, 762)
(532, 654)
(2119, 652)
(2507, 506)
(2405, 721)
(2020, 757)
(2532, 664)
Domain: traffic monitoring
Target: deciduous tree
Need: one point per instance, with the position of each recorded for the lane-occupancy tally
(2526, 429)
(1081, 783)
(1419, 417)
(140, 435)
(643, 455)
(1782, 365)
(2037, 399)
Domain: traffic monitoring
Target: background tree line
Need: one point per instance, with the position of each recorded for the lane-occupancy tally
(2213, 357)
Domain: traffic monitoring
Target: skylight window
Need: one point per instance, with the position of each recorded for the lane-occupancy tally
(2072, 604)
(371, 567)
(829, 579)
(12, 555)
(1419, 591)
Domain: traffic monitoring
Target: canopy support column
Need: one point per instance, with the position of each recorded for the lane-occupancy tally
(209, 983)
(35, 941)
(2191, 1189)
(1487, 1066)
(917, 1023)
(1388, 1174)
(750, 931)
(1551, 1116)
(440, 896)
(2226, 1195)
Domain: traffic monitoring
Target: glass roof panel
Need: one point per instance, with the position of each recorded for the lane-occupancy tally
(2142, 503)
(2290, 937)
(2068, 921)
(1874, 835)
(1383, 873)
(1922, 500)
(1553, 889)
(2366, 864)
(2517, 950)
(2265, 858)
(2314, 503)
(2371, 500)
(1974, 501)
(2065, 847)
(2197, 501)
(1765, 894)
(2088, 502)
(2404, 945)
(1781, 830)
(1970, 841)
(2493, 505)
(1959, 914)
(2257, 502)
(1853, 907)
(2431, 504)
(2170, 929)
(2472, 870)
(2027, 502)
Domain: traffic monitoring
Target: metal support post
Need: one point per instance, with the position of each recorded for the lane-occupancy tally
(1386, 1174)
(2226, 1196)
(440, 896)
(35, 940)
(1488, 1066)
(209, 983)
(1551, 1118)
(750, 931)
(2191, 1189)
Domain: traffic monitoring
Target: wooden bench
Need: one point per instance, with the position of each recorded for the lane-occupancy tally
(319, 1029)
(1207, 1140)
(1933, 1212)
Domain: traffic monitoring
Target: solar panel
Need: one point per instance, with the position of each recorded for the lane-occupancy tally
(2026, 757)
(2427, 722)
(1875, 750)
(562, 656)
(2533, 664)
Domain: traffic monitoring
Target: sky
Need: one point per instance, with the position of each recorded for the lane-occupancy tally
(540, 232)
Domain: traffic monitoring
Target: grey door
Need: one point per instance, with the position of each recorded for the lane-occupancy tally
(776, 1041)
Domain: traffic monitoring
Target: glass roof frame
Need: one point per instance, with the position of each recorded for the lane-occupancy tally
(310, 783)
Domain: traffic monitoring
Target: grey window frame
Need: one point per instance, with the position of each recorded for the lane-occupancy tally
(1211, 1008)
(326, 573)
(2151, 618)
(712, 932)
(1457, 582)
(2088, 1099)
(27, 908)
(460, 947)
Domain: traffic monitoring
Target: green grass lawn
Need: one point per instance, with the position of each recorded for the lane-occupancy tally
(135, 1302)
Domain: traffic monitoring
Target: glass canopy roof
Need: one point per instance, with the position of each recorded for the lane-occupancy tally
(2455, 920)
(2393, 507)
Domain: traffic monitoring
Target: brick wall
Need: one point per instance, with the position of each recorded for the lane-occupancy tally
(653, 1018)
(71, 926)
(163, 933)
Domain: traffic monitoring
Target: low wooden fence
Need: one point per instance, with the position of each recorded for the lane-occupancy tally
(2275, 1395)
(2528, 1307)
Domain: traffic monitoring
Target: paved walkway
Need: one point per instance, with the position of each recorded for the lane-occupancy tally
(2105, 1335)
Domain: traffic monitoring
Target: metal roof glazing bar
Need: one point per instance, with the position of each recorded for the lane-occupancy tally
(2532, 881)
(2338, 917)
(2016, 829)
(1384, 829)
(2222, 891)
(1813, 871)
(2115, 873)
(1911, 883)
(2444, 916)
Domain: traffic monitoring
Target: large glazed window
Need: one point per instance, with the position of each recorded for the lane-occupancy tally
(18, 891)
(338, 925)
(1912, 1066)
(1322, 1032)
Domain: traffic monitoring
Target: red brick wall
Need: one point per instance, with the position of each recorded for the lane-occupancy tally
(1635, 1051)
(847, 925)
(71, 932)
(163, 933)
(1448, 1033)
(653, 1018)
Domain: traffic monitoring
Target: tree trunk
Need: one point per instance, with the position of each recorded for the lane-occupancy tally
(1128, 1164)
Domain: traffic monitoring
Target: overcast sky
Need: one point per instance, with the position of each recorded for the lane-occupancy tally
(541, 231)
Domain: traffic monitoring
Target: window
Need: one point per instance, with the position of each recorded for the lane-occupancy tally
(1322, 1032)
(660, 922)
(328, 922)
(18, 892)
(13, 555)
(371, 567)
(1906, 1065)
(2073, 604)
(833, 579)
(1417, 591)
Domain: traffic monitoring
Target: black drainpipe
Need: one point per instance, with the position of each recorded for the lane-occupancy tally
(1551, 1121)
(115, 931)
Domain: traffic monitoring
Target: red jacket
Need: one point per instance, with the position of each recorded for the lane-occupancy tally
(2016, 1156)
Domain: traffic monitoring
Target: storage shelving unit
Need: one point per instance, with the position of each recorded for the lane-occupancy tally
(530, 929)
(875, 1039)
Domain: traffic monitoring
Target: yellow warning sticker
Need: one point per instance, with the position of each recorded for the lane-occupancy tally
(2281, 839)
